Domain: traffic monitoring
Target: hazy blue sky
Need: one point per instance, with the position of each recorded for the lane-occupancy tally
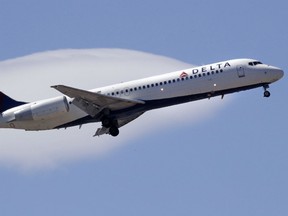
(232, 163)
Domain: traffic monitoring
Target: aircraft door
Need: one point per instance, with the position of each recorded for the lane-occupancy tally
(240, 71)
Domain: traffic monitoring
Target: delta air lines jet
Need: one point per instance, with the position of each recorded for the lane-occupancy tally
(116, 105)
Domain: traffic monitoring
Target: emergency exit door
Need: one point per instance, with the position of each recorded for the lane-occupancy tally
(240, 71)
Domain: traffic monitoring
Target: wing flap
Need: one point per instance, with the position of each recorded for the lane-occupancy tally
(101, 131)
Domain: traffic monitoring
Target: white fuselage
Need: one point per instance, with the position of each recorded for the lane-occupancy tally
(157, 91)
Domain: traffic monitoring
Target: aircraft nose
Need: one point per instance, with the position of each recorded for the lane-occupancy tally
(279, 73)
(276, 73)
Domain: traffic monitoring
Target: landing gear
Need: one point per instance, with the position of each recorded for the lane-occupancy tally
(266, 92)
(106, 122)
(111, 125)
(114, 131)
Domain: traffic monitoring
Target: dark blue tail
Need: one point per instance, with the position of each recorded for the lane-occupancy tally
(7, 102)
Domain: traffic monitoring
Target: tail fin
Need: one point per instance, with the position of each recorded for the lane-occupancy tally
(7, 102)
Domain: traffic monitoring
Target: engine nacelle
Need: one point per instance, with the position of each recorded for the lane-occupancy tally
(43, 110)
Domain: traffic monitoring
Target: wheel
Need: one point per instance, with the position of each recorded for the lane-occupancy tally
(114, 131)
(267, 93)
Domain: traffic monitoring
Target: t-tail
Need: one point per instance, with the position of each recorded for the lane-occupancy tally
(8, 103)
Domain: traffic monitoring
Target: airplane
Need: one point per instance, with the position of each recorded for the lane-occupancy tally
(117, 105)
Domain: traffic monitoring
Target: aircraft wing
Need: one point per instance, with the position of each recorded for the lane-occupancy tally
(93, 103)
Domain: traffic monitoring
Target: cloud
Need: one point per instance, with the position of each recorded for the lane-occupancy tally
(29, 78)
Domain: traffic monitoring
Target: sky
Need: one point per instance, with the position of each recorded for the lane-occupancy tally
(217, 157)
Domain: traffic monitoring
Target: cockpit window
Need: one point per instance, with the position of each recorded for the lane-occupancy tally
(254, 63)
